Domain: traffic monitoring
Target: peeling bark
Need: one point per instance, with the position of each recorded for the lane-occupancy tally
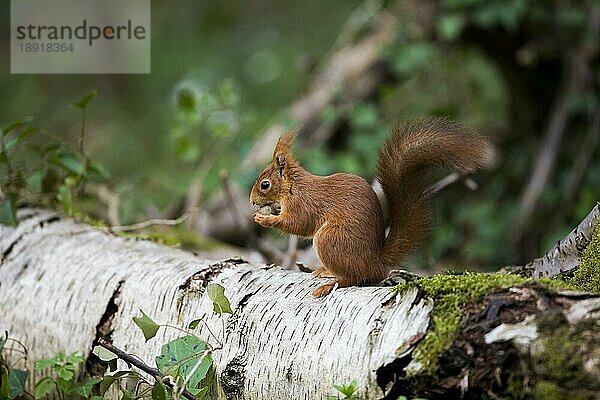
(566, 254)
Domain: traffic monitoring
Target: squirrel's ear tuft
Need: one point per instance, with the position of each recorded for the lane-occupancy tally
(283, 150)
(284, 144)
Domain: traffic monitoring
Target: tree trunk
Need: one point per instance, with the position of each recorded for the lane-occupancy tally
(64, 284)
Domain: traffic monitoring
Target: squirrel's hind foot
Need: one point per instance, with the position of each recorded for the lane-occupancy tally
(324, 290)
(323, 272)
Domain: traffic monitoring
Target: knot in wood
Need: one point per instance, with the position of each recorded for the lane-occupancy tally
(233, 376)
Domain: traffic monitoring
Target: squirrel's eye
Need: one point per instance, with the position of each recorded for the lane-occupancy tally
(264, 185)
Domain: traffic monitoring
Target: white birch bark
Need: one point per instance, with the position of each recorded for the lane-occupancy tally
(58, 276)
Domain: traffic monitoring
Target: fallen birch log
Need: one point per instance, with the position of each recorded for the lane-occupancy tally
(63, 285)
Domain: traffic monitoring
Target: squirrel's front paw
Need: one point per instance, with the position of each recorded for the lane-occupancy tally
(265, 220)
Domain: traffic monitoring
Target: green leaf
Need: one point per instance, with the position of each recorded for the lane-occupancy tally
(85, 389)
(108, 380)
(104, 354)
(16, 382)
(75, 358)
(63, 372)
(64, 196)
(64, 385)
(83, 102)
(43, 387)
(97, 169)
(178, 357)
(148, 327)
(44, 363)
(8, 210)
(199, 393)
(159, 392)
(194, 324)
(70, 162)
(28, 131)
(347, 390)
(4, 385)
(220, 301)
(12, 126)
(186, 100)
(127, 395)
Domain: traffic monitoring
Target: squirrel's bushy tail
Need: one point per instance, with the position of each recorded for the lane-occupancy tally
(402, 166)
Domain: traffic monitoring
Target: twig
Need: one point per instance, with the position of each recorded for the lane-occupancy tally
(141, 365)
(112, 201)
(449, 180)
(150, 222)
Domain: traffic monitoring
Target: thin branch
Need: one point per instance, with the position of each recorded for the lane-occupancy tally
(150, 222)
(449, 180)
(141, 365)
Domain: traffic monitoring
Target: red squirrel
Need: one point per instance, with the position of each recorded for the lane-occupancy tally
(342, 213)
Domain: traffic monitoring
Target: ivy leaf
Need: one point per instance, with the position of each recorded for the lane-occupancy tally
(4, 386)
(194, 324)
(75, 358)
(16, 382)
(178, 357)
(43, 388)
(199, 393)
(83, 102)
(104, 354)
(43, 363)
(63, 372)
(148, 327)
(216, 293)
(108, 380)
(127, 395)
(85, 389)
(65, 386)
(8, 210)
(159, 392)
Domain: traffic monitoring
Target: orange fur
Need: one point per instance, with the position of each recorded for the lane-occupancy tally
(341, 212)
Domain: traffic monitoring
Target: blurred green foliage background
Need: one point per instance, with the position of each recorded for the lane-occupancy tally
(222, 71)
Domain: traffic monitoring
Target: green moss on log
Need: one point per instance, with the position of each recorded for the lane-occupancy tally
(566, 359)
(450, 294)
(587, 276)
